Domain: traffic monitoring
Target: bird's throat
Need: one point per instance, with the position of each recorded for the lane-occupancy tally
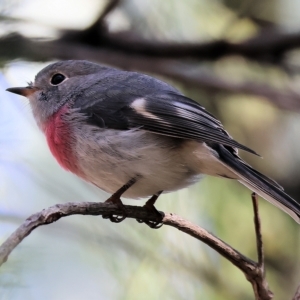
(60, 140)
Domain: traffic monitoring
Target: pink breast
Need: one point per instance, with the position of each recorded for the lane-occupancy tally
(61, 141)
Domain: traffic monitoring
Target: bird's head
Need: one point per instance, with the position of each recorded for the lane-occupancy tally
(56, 85)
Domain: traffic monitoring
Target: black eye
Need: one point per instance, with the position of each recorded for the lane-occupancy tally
(57, 79)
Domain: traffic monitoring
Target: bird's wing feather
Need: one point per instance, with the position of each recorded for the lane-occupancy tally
(165, 112)
(178, 116)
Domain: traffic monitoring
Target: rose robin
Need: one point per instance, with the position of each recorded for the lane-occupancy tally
(135, 136)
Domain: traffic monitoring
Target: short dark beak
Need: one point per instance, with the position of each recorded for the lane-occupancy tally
(23, 91)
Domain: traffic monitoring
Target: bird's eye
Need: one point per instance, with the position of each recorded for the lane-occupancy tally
(57, 79)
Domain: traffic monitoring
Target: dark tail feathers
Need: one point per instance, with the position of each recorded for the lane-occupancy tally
(259, 183)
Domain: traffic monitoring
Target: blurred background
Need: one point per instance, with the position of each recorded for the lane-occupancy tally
(239, 59)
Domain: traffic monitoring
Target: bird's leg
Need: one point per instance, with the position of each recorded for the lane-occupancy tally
(149, 205)
(115, 198)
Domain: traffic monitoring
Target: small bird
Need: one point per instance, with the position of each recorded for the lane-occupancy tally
(135, 136)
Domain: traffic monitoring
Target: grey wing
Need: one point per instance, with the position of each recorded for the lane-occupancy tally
(178, 116)
(131, 100)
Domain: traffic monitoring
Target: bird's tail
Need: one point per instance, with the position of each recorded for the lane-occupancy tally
(259, 183)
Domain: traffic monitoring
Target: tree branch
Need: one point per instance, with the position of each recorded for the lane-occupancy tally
(269, 45)
(54, 213)
(259, 242)
(297, 294)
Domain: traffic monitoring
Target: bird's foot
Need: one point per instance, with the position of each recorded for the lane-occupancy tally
(115, 199)
(149, 205)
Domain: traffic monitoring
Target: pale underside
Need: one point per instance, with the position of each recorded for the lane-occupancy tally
(158, 162)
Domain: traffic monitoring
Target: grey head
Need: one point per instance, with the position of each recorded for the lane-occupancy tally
(57, 84)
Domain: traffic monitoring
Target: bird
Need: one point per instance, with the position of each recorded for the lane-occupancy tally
(135, 136)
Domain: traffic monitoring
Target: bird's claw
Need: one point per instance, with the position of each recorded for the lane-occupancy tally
(115, 199)
(152, 224)
(115, 218)
(149, 206)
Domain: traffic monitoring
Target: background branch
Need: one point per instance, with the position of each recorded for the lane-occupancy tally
(110, 6)
(297, 294)
(16, 45)
(268, 46)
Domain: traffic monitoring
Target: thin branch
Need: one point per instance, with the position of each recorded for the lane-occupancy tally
(259, 245)
(257, 223)
(297, 294)
(110, 6)
(54, 213)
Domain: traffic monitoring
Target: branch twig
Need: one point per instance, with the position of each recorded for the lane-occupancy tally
(297, 294)
(260, 253)
(54, 213)
(110, 6)
(259, 242)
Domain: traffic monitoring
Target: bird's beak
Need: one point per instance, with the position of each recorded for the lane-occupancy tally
(23, 91)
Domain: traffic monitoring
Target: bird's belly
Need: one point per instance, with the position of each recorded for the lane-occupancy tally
(111, 158)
